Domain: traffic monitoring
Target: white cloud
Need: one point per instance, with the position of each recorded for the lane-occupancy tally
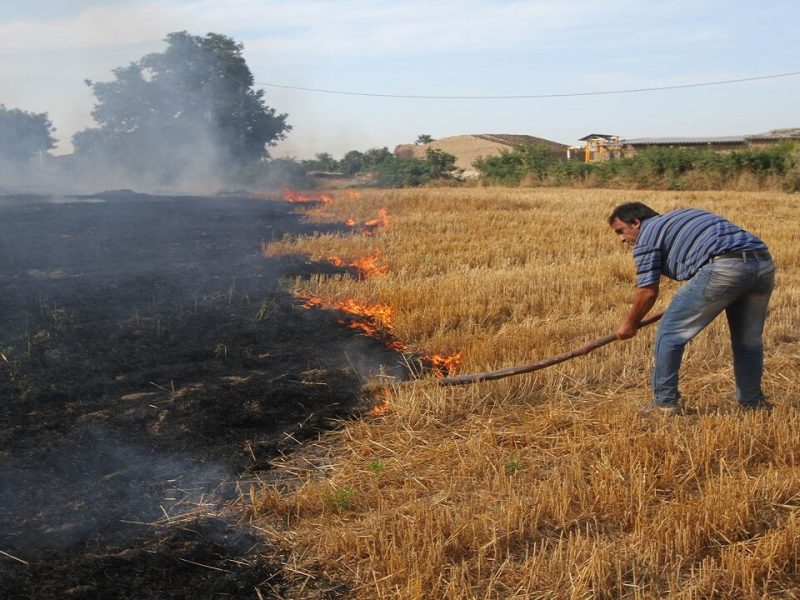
(531, 46)
(307, 26)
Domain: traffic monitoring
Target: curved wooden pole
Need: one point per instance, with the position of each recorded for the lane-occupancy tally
(520, 369)
(547, 362)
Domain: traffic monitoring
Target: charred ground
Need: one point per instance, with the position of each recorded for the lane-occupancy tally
(152, 361)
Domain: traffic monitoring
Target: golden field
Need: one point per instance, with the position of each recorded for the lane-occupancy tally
(548, 485)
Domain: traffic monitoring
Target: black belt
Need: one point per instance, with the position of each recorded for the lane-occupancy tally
(744, 255)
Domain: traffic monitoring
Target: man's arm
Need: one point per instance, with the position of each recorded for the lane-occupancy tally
(643, 301)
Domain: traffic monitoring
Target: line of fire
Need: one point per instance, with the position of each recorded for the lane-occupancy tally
(372, 320)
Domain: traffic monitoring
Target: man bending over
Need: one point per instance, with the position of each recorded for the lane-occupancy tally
(726, 268)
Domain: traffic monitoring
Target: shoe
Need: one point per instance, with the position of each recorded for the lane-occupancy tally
(654, 410)
(762, 406)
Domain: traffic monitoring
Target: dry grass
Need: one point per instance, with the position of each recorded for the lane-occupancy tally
(548, 485)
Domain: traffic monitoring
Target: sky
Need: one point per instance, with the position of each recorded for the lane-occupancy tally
(469, 48)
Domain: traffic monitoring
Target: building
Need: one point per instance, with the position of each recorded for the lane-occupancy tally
(598, 147)
(601, 147)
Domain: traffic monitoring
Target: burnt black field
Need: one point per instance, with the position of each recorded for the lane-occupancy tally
(153, 363)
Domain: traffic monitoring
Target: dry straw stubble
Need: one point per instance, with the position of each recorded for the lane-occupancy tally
(549, 485)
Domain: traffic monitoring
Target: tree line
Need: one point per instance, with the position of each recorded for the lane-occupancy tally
(193, 110)
(774, 167)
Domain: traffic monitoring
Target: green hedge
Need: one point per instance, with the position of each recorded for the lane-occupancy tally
(660, 168)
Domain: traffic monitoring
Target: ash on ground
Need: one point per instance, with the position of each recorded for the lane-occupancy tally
(151, 362)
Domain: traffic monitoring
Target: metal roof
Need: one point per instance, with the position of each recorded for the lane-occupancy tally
(605, 136)
(673, 141)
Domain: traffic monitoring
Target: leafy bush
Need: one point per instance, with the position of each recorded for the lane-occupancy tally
(658, 168)
(507, 168)
(412, 172)
(402, 172)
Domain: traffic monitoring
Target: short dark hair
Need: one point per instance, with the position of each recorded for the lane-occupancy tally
(631, 212)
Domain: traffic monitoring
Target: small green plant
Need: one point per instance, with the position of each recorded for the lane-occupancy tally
(220, 351)
(267, 308)
(376, 466)
(340, 500)
(512, 465)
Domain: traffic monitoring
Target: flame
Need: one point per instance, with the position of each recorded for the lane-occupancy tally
(372, 319)
(291, 196)
(352, 194)
(371, 226)
(445, 365)
(397, 345)
(382, 222)
(375, 320)
(384, 408)
(366, 266)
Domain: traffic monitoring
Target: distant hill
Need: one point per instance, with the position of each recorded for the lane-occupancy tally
(467, 148)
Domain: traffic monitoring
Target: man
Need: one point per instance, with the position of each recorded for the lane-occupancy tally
(727, 268)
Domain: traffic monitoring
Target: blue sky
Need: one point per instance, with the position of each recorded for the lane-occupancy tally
(430, 48)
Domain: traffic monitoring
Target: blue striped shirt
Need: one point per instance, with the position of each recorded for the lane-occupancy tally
(676, 244)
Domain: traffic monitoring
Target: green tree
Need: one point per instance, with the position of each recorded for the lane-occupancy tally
(506, 168)
(353, 162)
(191, 105)
(321, 162)
(402, 172)
(411, 172)
(537, 159)
(375, 157)
(424, 138)
(24, 134)
(441, 165)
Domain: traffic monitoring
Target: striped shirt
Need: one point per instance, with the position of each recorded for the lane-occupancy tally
(676, 244)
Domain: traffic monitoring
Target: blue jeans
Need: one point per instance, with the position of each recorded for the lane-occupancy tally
(739, 286)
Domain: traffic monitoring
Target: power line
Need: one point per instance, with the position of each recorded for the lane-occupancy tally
(532, 96)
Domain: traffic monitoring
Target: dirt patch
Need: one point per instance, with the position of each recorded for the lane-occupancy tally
(152, 362)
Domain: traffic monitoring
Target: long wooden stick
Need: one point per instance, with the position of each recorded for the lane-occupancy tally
(520, 369)
(547, 362)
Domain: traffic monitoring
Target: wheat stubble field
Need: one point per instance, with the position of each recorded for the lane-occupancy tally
(547, 485)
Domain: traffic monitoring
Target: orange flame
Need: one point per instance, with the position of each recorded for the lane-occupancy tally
(445, 365)
(291, 196)
(371, 226)
(366, 266)
(372, 319)
(375, 320)
(384, 408)
(352, 194)
(382, 222)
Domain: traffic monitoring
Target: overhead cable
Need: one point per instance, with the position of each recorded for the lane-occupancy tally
(532, 96)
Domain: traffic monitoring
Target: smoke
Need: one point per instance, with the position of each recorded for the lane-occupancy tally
(183, 120)
(95, 485)
(151, 162)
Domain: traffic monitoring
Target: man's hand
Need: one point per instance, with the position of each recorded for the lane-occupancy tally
(626, 331)
(643, 301)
